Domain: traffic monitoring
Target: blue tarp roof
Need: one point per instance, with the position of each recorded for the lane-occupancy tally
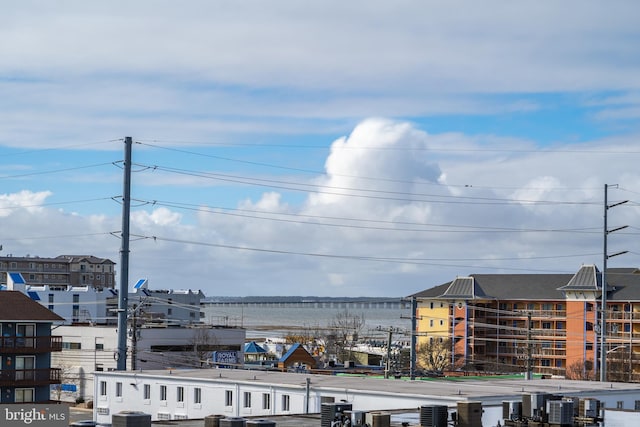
(252, 347)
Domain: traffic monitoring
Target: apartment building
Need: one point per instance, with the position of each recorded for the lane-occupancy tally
(549, 322)
(26, 345)
(61, 272)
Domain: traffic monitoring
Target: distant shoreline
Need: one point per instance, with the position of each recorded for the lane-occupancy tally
(297, 299)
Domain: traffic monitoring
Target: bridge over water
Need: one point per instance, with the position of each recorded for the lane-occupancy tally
(346, 304)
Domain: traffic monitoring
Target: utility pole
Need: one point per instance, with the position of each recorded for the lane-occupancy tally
(387, 366)
(529, 373)
(123, 292)
(603, 285)
(414, 337)
(134, 339)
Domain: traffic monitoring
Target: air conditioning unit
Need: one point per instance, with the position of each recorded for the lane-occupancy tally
(378, 419)
(589, 408)
(330, 411)
(560, 412)
(534, 404)
(434, 415)
(131, 419)
(511, 410)
(357, 418)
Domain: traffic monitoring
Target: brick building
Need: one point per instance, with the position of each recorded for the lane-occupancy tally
(502, 322)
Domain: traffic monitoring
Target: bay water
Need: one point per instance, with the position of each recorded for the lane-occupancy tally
(269, 320)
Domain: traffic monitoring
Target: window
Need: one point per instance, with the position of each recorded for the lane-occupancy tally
(169, 311)
(545, 362)
(180, 394)
(118, 389)
(228, 398)
(197, 395)
(146, 394)
(285, 402)
(163, 392)
(546, 325)
(620, 404)
(23, 395)
(431, 305)
(547, 307)
(559, 307)
(24, 367)
(441, 322)
(103, 388)
(247, 399)
(431, 322)
(266, 401)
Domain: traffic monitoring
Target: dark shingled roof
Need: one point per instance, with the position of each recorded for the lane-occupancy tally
(16, 306)
(623, 285)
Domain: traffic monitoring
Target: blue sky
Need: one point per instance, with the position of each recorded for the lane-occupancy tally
(367, 148)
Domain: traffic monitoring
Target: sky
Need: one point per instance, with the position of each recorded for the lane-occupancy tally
(362, 148)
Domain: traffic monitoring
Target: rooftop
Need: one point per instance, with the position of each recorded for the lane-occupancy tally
(453, 389)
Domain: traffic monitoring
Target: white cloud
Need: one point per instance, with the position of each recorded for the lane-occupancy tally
(24, 200)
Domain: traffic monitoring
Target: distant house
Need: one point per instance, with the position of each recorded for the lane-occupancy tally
(26, 344)
(297, 356)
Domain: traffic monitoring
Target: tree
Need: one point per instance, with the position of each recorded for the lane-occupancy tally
(343, 332)
(580, 370)
(203, 343)
(68, 375)
(434, 354)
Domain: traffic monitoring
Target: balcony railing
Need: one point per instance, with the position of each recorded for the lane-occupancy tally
(29, 377)
(14, 344)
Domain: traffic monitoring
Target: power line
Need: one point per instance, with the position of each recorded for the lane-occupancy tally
(370, 194)
(462, 228)
(54, 171)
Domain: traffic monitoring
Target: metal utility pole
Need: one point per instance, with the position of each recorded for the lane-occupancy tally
(529, 374)
(414, 339)
(123, 292)
(387, 366)
(603, 275)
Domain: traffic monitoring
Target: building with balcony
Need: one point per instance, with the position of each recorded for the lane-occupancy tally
(26, 345)
(61, 272)
(547, 322)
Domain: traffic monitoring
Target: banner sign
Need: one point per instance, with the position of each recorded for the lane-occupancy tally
(34, 415)
(225, 359)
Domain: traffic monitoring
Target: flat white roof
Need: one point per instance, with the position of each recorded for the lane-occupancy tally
(453, 388)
